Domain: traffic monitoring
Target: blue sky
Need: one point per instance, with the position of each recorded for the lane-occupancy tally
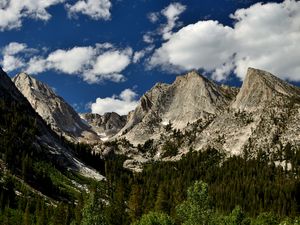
(116, 50)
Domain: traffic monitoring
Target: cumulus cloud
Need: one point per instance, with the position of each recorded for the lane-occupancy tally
(153, 17)
(71, 61)
(171, 13)
(36, 65)
(13, 12)
(121, 104)
(14, 48)
(112, 61)
(96, 9)
(10, 59)
(93, 63)
(265, 36)
(141, 54)
(148, 38)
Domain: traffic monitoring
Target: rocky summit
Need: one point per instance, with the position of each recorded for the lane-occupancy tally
(261, 87)
(54, 110)
(105, 125)
(190, 98)
(45, 143)
(194, 113)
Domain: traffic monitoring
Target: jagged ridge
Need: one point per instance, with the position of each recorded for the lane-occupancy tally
(46, 140)
(188, 99)
(54, 110)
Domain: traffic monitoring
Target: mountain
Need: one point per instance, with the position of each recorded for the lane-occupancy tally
(54, 110)
(24, 132)
(261, 87)
(190, 98)
(105, 125)
(194, 113)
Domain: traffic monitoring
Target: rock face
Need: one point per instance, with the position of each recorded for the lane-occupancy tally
(105, 125)
(193, 113)
(259, 88)
(265, 110)
(54, 110)
(189, 98)
(45, 141)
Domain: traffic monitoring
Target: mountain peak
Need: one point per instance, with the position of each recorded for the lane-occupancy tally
(191, 77)
(260, 87)
(53, 109)
(187, 99)
(23, 75)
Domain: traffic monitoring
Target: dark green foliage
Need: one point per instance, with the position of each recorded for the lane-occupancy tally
(34, 189)
(257, 185)
(92, 212)
(155, 218)
(85, 153)
(197, 209)
(169, 148)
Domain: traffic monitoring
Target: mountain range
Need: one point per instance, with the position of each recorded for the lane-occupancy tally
(193, 113)
(62, 164)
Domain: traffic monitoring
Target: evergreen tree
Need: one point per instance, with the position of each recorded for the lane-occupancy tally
(155, 218)
(197, 209)
(92, 213)
(26, 217)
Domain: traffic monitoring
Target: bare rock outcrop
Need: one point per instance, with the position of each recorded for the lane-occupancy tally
(46, 142)
(54, 110)
(188, 99)
(105, 125)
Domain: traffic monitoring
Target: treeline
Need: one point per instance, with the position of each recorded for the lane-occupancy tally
(263, 189)
(198, 209)
(256, 185)
(33, 188)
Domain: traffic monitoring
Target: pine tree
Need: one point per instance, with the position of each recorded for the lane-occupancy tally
(26, 217)
(197, 209)
(134, 203)
(92, 213)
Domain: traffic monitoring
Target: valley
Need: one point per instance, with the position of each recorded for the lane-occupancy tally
(241, 145)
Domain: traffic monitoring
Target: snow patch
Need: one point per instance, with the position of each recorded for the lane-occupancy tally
(165, 123)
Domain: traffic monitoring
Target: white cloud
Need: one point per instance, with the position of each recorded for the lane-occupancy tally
(12, 12)
(112, 61)
(71, 61)
(36, 65)
(96, 9)
(189, 48)
(147, 38)
(121, 104)
(108, 66)
(10, 59)
(14, 48)
(264, 36)
(171, 12)
(137, 56)
(153, 17)
(93, 63)
(11, 63)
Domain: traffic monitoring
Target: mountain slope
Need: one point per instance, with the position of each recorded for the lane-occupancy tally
(105, 125)
(193, 113)
(21, 127)
(260, 87)
(264, 117)
(189, 98)
(54, 110)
